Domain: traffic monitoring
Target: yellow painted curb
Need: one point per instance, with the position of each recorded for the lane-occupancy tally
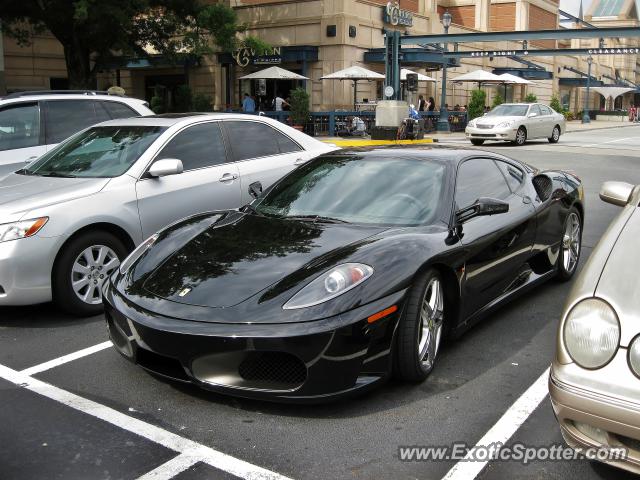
(372, 143)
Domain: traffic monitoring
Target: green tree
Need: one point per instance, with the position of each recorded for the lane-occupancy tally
(93, 32)
(299, 106)
(530, 98)
(476, 104)
(497, 100)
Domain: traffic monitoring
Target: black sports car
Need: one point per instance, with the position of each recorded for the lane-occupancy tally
(349, 269)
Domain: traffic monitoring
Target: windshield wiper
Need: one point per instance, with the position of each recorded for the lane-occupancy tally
(23, 171)
(56, 174)
(251, 209)
(316, 219)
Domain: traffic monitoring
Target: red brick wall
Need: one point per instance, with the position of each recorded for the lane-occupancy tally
(540, 19)
(502, 17)
(465, 16)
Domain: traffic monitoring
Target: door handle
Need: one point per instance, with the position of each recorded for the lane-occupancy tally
(300, 161)
(228, 177)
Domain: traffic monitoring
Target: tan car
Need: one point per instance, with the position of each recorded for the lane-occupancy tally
(595, 377)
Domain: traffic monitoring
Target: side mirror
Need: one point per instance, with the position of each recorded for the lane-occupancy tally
(255, 189)
(165, 167)
(616, 193)
(531, 115)
(482, 207)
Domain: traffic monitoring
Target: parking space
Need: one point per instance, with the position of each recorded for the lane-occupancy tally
(95, 415)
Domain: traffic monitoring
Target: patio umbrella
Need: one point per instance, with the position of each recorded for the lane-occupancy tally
(354, 73)
(612, 92)
(479, 76)
(513, 79)
(274, 73)
(421, 77)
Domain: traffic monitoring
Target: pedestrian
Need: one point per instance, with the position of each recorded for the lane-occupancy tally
(632, 113)
(248, 104)
(421, 103)
(279, 102)
(432, 104)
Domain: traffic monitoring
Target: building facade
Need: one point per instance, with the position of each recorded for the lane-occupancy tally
(318, 37)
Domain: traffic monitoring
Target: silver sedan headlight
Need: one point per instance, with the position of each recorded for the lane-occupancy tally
(21, 229)
(592, 333)
(472, 123)
(634, 356)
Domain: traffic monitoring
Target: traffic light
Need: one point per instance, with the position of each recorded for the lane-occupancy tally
(412, 82)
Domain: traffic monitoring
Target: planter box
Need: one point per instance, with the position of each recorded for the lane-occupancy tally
(612, 118)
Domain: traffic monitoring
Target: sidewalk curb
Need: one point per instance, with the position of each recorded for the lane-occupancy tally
(602, 128)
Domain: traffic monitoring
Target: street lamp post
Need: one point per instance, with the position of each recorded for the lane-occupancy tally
(443, 120)
(585, 114)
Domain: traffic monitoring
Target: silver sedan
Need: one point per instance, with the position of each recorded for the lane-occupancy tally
(517, 123)
(68, 219)
(595, 377)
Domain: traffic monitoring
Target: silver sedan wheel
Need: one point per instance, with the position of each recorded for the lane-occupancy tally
(90, 270)
(521, 136)
(556, 134)
(571, 243)
(431, 321)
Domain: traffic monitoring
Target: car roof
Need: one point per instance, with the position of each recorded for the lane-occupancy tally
(170, 119)
(440, 153)
(35, 96)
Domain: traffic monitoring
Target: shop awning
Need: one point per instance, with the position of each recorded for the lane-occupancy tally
(274, 73)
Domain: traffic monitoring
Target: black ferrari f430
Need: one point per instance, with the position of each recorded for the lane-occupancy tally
(352, 268)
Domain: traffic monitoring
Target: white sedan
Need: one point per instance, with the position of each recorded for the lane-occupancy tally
(517, 123)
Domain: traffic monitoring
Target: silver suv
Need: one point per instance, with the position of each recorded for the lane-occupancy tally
(68, 219)
(31, 123)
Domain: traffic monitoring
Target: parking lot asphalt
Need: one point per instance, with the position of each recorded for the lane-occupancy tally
(97, 416)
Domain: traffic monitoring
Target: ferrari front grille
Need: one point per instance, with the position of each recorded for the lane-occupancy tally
(277, 367)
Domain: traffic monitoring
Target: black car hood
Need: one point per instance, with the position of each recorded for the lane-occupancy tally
(227, 264)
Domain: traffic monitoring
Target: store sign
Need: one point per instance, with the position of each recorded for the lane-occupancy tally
(394, 15)
(246, 56)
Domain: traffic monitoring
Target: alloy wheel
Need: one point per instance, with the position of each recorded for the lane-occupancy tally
(556, 134)
(521, 136)
(571, 243)
(431, 322)
(90, 270)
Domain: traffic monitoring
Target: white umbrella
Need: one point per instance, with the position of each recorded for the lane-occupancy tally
(354, 73)
(421, 77)
(508, 78)
(274, 73)
(479, 76)
(612, 92)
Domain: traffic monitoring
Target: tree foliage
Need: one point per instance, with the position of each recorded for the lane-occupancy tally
(556, 105)
(530, 98)
(94, 32)
(299, 106)
(476, 104)
(497, 100)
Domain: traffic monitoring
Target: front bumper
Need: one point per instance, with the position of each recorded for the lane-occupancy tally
(507, 134)
(293, 362)
(581, 406)
(25, 270)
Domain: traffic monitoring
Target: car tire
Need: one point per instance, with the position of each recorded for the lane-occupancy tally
(420, 329)
(555, 135)
(521, 137)
(477, 143)
(570, 246)
(81, 269)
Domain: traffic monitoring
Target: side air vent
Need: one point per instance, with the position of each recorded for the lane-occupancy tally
(543, 186)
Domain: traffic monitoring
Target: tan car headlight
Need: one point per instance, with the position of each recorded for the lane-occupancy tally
(634, 356)
(592, 333)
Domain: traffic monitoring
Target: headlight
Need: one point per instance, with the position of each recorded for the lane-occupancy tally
(634, 356)
(137, 253)
(330, 284)
(472, 123)
(507, 124)
(21, 229)
(592, 333)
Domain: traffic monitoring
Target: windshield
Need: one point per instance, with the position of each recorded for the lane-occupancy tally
(97, 152)
(359, 189)
(509, 111)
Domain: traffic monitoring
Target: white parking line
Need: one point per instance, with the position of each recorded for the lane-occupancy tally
(171, 468)
(66, 358)
(503, 430)
(167, 439)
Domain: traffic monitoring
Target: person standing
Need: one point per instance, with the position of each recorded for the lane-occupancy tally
(248, 104)
(421, 103)
(432, 104)
(279, 102)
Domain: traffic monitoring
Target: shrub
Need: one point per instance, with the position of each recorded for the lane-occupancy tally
(157, 101)
(497, 100)
(555, 104)
(202, 103)
(530, 98)
(476, 104)
(299, 106)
